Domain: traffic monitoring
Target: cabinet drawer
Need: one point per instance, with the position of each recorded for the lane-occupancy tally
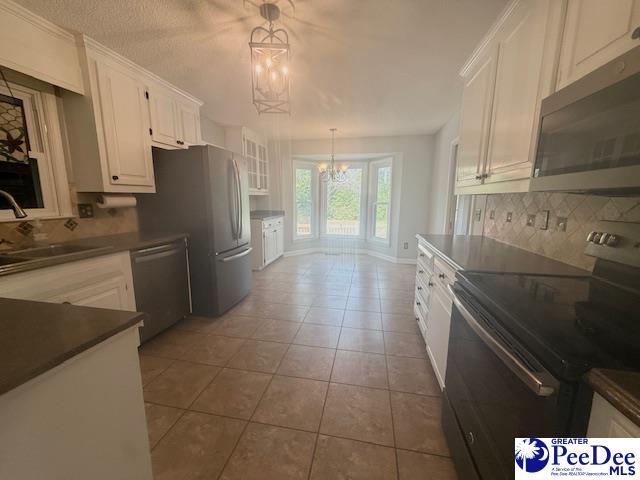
(425, 258)
(422, 323)
(422, 292)
(443, 273)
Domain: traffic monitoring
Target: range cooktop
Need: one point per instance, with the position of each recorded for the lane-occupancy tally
(571, 324)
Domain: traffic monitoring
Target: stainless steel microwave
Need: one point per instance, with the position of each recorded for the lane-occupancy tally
(589, 138)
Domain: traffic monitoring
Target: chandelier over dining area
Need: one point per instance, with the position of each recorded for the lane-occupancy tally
(330, 172)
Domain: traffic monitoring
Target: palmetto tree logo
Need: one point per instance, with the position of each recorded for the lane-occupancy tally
(532, 455)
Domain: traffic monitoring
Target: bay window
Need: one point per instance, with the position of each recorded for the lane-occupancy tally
(359, 207)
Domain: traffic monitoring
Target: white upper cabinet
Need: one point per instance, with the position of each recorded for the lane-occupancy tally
(164, 125)
(175, 121)
(125, 126)
(516, 94)
(253, 147)
(504, 83)
(474, 123)
(125, 111)
(189, 123)
(596, 32)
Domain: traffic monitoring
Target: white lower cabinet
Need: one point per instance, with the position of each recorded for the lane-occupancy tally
(607, 421)
(102, 282)
(267, 240)
(432, 308)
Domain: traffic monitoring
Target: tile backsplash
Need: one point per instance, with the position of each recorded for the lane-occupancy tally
(576, 214)
(104, 222)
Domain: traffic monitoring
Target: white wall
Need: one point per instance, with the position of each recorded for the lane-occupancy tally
(440, 179)
(412, 171)
(211, 131)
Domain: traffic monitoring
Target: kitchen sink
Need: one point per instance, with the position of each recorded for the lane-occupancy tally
(49, 251)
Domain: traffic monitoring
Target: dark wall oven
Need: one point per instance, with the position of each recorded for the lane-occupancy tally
(589, 135)
(496, 391)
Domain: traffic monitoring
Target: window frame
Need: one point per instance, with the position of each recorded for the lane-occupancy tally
(364, 195)
(313, 168)
(376, 165)
(41, 109)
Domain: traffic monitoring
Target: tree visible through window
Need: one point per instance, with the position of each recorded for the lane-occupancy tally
(304, 201)
(382, 202)
(344, 205)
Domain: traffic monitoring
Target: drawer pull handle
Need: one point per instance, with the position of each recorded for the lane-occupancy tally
(420, 271)
(431, 284)
(419, 288)
(418, 303)
(115, 177)
(442, 275)
(422, 254)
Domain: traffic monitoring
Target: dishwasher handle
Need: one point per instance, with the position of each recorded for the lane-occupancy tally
(160, 251)
(542, 383)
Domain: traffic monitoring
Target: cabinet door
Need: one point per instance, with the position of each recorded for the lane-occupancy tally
(189, 120)
(263, 170)
(474, 124)
(595, 33)
(164, 118)
(109, 293)
(516, 93)
(126, 126)
(269, 246)
(251, 154)
(279, 241)
(439, 319)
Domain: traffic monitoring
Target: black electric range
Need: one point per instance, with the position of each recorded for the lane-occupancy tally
(520, 344)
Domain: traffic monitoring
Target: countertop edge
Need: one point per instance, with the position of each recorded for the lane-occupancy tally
(615, 393)
(102, 247)
(440, 255)
(58, 360)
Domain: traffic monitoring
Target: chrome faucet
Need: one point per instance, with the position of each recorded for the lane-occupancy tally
(17, 209)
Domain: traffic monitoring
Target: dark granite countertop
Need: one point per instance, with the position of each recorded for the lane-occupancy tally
(620, 388)
(36, 336)
(482, 254)
(266, 214)
(101, 246)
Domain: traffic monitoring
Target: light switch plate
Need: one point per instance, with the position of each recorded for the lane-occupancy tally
(509, 217)
(531, 220)
(561, 224)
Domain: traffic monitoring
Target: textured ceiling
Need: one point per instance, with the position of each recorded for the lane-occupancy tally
(368, 67)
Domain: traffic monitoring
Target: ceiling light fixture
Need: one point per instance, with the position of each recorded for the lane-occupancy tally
(331, 172)
(270, 55)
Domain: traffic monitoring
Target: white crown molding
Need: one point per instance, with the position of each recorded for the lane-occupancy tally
(359, 251)
(42, 23)
(95, 46)
(488, 38)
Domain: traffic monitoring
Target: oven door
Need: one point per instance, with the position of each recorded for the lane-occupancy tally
(496, 392)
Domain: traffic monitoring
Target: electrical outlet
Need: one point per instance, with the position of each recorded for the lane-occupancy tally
(477, 215)
(406, 245)
(561, 224)
(544, 223)
(509, 217)
(492, 215)
(531, 220)
(85, 210)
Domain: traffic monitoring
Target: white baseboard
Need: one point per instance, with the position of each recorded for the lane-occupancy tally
(358, 251)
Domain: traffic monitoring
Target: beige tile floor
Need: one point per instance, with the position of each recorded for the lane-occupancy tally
(320, 373)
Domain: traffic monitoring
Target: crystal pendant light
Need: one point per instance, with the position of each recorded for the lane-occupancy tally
(331, 172)
(270, 64)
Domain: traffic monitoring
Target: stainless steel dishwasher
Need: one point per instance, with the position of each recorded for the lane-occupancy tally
(161, 283)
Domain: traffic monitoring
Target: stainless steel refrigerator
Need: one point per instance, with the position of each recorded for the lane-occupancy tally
(203, 191)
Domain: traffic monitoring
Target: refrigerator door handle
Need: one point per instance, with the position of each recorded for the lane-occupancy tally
(241, 213)
(244, 253)
(237, 196)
